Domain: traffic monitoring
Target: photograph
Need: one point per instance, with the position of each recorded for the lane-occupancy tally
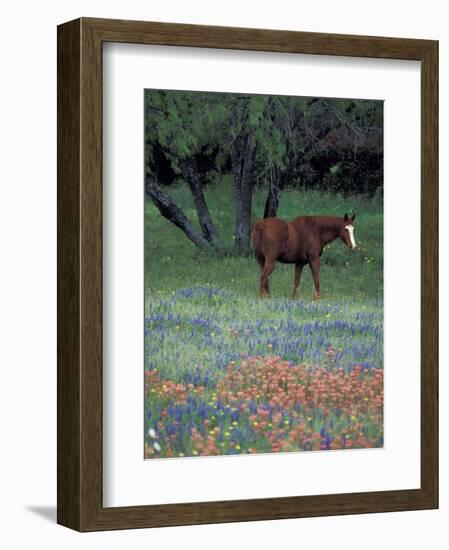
(263, 235)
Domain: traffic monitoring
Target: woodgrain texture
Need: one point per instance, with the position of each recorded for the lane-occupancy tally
(80, 274)
(68, 430)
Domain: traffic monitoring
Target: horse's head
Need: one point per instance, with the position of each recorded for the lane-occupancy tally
(347, 231)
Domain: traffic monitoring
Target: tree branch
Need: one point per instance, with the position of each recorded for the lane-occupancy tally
(171, 211)
(189, 169)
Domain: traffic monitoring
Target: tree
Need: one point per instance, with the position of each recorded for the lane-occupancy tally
(269, 141)
(311, 126)
(253, 136)
(189, 169)
(179, 123)
(171, 211)
(349, 156)
(302, 128)
(286, 117)
(243, 153)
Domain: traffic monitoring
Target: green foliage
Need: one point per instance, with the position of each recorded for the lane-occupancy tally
(181, 122)
(322, 143)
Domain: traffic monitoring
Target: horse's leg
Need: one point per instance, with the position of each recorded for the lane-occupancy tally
(264, 287)
(261, 261)
(261, 284)
(267, 288)
(315, 267)
(266, 272)
(298, 271)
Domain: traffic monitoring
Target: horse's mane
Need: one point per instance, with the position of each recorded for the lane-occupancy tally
(323, 222)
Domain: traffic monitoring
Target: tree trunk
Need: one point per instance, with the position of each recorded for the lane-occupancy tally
(194, 180)
(276, 187)
(274, 190)
(243, 160)
(170, 210)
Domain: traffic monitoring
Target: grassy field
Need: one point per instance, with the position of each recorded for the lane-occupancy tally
(227, 373)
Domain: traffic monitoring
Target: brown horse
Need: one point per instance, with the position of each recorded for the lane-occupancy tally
(298, 242)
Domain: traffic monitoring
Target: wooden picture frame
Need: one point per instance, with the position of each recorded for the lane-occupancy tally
(79, 472)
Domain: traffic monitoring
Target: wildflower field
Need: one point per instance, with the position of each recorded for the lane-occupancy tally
(227, 373)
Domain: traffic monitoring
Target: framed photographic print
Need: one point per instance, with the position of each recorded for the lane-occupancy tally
(247, 274)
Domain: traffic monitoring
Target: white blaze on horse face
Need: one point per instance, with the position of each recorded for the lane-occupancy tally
(350, 229)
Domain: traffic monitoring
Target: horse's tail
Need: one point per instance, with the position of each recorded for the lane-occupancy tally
(257, 238)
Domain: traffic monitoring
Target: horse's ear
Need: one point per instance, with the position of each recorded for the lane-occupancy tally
(353, 217)
(346, 217)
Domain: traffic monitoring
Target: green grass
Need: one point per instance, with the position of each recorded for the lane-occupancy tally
(173, 262)
(203, 315)
(351, 289)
